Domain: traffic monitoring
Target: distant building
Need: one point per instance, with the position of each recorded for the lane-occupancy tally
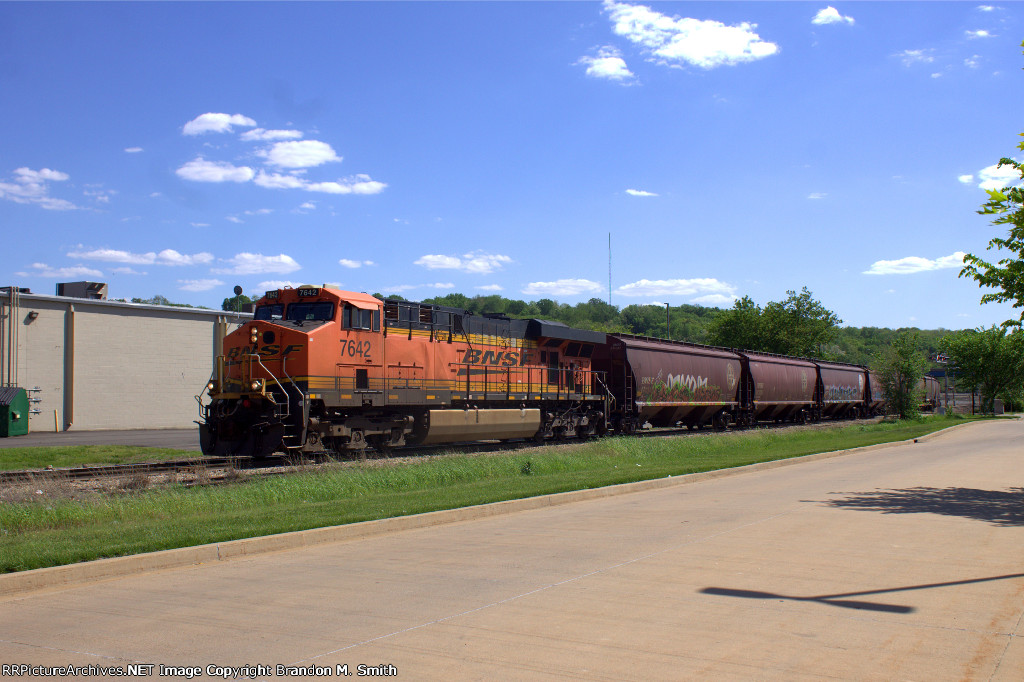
(100, 364)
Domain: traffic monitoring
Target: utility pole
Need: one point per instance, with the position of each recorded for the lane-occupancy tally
(609, 268)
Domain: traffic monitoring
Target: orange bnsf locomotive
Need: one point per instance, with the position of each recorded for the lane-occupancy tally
(318, 368)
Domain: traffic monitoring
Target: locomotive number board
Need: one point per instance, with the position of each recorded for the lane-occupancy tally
(308, 292)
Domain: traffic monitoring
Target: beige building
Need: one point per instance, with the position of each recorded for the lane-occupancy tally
(97, 364)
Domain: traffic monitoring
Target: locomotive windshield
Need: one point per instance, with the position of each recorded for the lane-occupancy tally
(302, 312)
(269, 312)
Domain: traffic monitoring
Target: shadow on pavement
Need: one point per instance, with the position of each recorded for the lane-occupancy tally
(836, 599)
(1001, 507)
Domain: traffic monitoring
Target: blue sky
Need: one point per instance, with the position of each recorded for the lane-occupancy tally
(423, 148)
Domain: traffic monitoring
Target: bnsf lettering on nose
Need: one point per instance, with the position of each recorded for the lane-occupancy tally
(508, 358)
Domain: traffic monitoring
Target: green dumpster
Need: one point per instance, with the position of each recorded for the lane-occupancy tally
(13, 411)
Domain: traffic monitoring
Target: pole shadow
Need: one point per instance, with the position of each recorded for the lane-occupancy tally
(840, 601)
(999, 507)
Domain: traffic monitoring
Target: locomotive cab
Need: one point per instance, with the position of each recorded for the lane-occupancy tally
(269, 385)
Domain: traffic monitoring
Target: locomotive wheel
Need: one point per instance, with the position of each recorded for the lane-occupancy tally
(381, 444)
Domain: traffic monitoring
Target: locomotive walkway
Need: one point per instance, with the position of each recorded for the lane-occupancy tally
(904, 562)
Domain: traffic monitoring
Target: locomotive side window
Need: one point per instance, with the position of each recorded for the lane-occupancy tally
(269, 312)
(302, 312)
(356, 318)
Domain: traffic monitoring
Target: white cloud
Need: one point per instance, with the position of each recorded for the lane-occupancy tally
(272, 284)
(257, 264)
(608, 64)
(476, 262)
(354, 263)
(260, 211)
(216, 123)
(562, 287)
(491, 287)
(915, 264)
(115, 256)
(199, 284)
(980, 33)
(640, 193)
(73, 272)
(671, 40)
(677, 287)
(259, 134)
(714, 300)
(300, 154)
(973, 62)
(817, 195)
(201, 170)
(994, 177)
(165, 257)
(30, 187)
(911, 57)
(132, 150)
(172, 257)
(830, 15)
(438, 262)
(966, 179)
(357, 184)
(278, 181)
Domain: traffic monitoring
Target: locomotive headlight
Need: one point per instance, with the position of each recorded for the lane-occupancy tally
(211, 387)
(257, 385)
(253, 334)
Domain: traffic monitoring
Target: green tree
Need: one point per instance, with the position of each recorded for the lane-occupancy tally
(990, 360)
(799, 325)
(1006, 274)
(739, 327)
(160, 299)
(229, 302)
(900, 367)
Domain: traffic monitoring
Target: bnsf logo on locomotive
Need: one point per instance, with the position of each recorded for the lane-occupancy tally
(269, 350)
(508, 358)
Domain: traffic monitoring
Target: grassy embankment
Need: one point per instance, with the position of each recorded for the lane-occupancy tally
(48, 532)
(12, 459)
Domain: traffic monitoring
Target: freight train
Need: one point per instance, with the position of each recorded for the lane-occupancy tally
(322, 369)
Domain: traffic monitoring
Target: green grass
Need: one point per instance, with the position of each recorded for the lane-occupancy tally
(81, 455)
(49, 532)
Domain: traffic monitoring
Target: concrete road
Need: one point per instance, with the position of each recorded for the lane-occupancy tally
(179, 439)
(904, 563)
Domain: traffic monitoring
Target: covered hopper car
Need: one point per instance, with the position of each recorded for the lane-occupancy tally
(322, 369)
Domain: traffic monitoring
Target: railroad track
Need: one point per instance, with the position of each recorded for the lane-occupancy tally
(277, 464)
(112, 470)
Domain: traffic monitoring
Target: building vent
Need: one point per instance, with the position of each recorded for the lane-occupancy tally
(83, 290)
